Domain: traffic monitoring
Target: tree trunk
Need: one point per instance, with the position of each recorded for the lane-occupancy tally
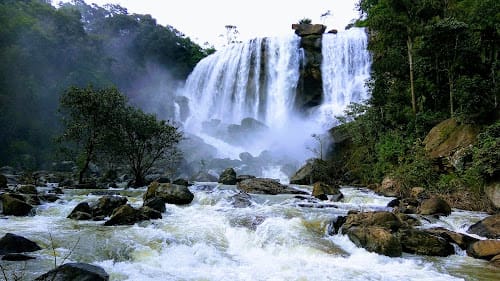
(139, 179)
(409, 44)
(83, 170)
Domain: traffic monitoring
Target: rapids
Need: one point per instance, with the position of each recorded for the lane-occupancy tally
(209, 239)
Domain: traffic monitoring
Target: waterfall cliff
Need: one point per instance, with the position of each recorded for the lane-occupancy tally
(256, 96)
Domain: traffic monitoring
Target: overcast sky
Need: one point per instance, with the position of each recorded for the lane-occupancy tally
(204, 21)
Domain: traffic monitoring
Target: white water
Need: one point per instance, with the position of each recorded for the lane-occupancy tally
(259, 79)
(273, 239)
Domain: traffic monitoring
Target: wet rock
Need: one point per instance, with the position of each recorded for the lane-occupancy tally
(405, 206)
(75, 272)
(49, 197)
(155, 203)
(228, 176)
(241, 178)
(335, 225)
(434, 206)
(262, 186)
(107, 204)
(79, 216)
(82, 207)
(127, 215)
(169, 193)
(484, 249)
(376, 239)
(12, 243)
(495, 261)
(90, 185)
(488, 227)
(381, 219)
(324, 191)
(13, 206)
(17, 257)
(26, 189)
(462, 240)
(183, 182)
(241, 200)
(420, 242)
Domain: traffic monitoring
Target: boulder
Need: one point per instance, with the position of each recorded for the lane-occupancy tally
(241, 200)
(447, 139)
(376, 239)
(183, 182)
(107, 204)
(495, 261)
(26, 189)
(12, 243)
(492, 191)
(14, 206)
(389, 187)
(244, 177)
(335, 225)
(488, 227)
(380, 219)
(313, 171)
(306, 29)
(264, 186)
(155, 203)
(82, 211)
(169, 193)
(327, 192)
(127, 215)
(75, 272)
(419, 242)
(434, 206)
(17, 257)
(462, 240)
(484, 249)
(228, 176)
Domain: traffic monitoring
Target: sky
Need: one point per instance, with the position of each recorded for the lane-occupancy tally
(205, 21)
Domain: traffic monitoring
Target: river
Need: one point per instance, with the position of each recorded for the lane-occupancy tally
(273, 239)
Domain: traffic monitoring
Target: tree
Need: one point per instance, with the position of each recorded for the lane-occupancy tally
(145, 141)
(89, 118)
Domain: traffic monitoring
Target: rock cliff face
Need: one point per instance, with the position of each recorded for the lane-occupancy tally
(310, 88)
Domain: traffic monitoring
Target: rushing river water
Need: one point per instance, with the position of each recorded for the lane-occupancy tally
(273, 239)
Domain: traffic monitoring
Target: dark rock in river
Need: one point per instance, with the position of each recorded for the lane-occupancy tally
(488, 227)
(228, 176)
(420, 242)
(313, 171)
(3, 181)
(169, 193)
(434, 206)
(183, 182)
(241, 200)
(75, 272)
(80, 210)
(462, 240)
(107, 204)
(12, 243)
(484, 249)
(325, 192)
(17, 257)
(381, 219)
(265, 186)
(26, 189)
(14, 206)
(127, 215)
(376, 239)
(155, 203)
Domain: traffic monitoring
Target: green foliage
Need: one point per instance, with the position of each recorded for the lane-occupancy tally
(305, 21)
(486, 153)
(100, 123)
(44, 50)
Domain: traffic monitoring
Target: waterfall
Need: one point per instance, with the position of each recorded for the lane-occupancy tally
(345, 70)
(244, 95)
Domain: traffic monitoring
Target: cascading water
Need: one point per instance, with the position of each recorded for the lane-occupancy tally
(345, 70)
(242, 98)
